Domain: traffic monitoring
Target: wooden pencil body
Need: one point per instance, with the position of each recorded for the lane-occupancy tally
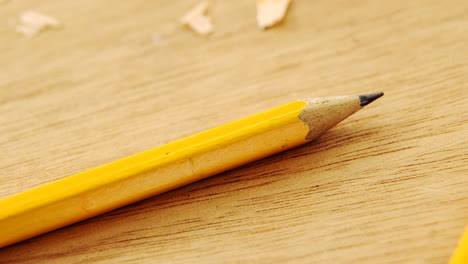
(460, 255)
(143, 175)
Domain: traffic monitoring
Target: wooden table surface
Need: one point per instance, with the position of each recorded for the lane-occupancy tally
(388, 185)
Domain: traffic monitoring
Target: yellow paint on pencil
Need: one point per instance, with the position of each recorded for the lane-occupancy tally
(460, 255)
(164, 168)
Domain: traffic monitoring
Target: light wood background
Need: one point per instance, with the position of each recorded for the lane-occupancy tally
(388, 185)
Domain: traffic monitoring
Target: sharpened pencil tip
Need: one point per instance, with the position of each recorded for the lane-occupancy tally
(369, 98)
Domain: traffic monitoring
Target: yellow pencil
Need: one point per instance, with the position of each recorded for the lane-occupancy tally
(460, 255)
(164, 168)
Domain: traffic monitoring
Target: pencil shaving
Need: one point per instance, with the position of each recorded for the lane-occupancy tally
(32, 22)
(270, 12)
(197, 19)
(158, 39)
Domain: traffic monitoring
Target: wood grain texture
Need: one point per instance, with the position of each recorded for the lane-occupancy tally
(388, 185)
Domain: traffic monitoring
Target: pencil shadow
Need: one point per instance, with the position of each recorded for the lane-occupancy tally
(208, 204)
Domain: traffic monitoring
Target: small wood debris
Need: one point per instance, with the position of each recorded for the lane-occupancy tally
(197, 20)
(32, 22)
(270, 12)
(158, 39)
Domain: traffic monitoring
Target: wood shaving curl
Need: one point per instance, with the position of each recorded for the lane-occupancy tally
(197, 20)
(271, 12)
(32, 22)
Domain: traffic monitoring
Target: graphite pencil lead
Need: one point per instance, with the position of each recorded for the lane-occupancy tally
(369, 98)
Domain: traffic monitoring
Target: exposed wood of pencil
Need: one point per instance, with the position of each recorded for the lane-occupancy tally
(388, 185)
